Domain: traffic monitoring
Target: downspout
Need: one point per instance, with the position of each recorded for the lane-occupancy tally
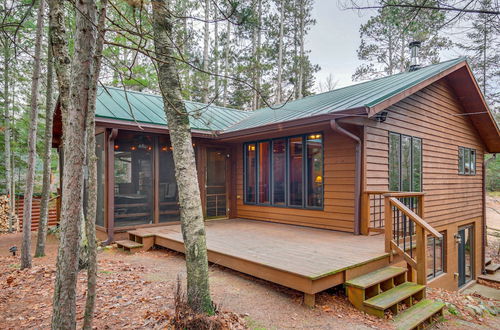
(110, 187)
(357, 183)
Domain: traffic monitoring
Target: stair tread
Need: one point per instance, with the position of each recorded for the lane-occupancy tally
(417, 314)
(140, 233)
(393, 296)
(487, 261)
(129, 244)
(380, 275)
(492, 268)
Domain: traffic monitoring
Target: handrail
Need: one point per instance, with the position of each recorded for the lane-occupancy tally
(413, 216)
(404, 194)
(404, 224)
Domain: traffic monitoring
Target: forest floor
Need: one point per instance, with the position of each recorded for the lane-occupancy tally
(134, 290)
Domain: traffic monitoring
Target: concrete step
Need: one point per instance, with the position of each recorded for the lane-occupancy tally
(417, 314)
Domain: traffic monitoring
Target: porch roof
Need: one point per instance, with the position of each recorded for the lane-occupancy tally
(116, 103)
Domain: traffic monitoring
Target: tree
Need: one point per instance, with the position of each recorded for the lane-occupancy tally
(386, 36)
(30, 174)
(483, 50)
(193, 229)
(49, 113)
(328, 84)
(74, 101)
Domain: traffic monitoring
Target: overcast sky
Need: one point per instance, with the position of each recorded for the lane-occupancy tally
(334, 39)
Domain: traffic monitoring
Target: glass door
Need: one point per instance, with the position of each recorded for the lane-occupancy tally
(215, 184)
(465, 254)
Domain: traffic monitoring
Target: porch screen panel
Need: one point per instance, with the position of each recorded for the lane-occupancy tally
(168, 198)
(264, 172)
(133, 179)
(279, 171)
(250, 173)
(314, 165)
(99, 151)
(295, 145)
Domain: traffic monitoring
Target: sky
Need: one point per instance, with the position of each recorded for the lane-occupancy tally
(334, 39)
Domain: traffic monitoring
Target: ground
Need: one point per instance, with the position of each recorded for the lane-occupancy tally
(133, 288)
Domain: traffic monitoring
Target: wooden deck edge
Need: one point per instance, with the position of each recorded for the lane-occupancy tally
(279, 276)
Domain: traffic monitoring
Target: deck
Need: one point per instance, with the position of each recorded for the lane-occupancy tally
(306, 259)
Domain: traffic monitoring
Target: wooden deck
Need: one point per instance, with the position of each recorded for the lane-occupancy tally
(306, 259)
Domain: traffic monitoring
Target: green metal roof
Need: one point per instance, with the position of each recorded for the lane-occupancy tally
(148, 108)
(115, 103)
(366, 94)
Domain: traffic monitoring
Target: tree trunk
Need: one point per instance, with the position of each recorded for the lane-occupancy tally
(30, 173)
(300, 82)
(258, 55)
(280, 54)
(49, 113)
(206, 42)
(74, 103)
(7, 124)
(226, 62)
(216, 55)
(193, 230)
(92, 178)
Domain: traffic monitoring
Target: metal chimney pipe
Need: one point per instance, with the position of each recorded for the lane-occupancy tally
(414, 55)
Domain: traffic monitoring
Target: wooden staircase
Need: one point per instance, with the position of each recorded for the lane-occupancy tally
(387, 289)
(138, 241)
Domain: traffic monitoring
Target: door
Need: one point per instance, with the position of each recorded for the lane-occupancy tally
(215, 183)
(465, 254)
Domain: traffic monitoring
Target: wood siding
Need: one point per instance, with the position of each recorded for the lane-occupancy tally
(451, 200)
(338, 212)
(433, 114)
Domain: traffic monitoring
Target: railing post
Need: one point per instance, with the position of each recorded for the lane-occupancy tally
(388, 224)
(421, 206)
(365, 213)
(421, 256)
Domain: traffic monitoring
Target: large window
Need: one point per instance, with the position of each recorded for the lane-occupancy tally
(435, 256)
(466, 161)
(405, 163)
(285, 172)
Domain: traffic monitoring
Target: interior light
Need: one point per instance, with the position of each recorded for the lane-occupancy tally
(318, 179)
(164, 148)
(117, 147)
(133, 148)
(150, 148)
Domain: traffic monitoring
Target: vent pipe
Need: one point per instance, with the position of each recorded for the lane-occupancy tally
(414, 55)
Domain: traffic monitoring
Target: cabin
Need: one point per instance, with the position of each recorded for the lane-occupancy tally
(378, 186)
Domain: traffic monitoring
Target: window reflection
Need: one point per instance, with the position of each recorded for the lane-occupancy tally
(315, 170)
(295, 146)
(279, 171)
(251, 169)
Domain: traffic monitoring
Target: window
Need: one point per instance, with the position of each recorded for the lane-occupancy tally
(466, 161)
(405, 163)
(168, 199)
(435, 256)
(285, 172)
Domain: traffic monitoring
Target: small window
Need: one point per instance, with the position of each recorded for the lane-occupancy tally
(466, 161)
(435, 256)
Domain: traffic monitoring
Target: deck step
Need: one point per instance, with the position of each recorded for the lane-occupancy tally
(394, 296)
(129, 245)
(492, 268)
(140, 233)
(380, 275)
(418, 314)
(487, 261)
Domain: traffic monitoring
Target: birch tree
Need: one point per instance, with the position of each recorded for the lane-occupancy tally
(192, 225)
(30, 173)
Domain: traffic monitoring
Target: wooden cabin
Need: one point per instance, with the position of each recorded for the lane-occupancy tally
(316, 192)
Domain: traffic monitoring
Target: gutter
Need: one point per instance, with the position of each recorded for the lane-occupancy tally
(357, 189)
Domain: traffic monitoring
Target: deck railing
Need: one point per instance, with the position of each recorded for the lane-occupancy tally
(406, 231)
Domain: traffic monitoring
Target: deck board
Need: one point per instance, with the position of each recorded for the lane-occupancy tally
(307, 252)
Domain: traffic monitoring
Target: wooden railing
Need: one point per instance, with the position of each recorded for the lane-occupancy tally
(406, 231)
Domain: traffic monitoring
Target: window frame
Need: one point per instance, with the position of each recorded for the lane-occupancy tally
(470, 154)
(443, 256)
(304, 172)
(411, 157)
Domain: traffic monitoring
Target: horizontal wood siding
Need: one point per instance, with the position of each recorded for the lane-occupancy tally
(435, 115)
(339, 172)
